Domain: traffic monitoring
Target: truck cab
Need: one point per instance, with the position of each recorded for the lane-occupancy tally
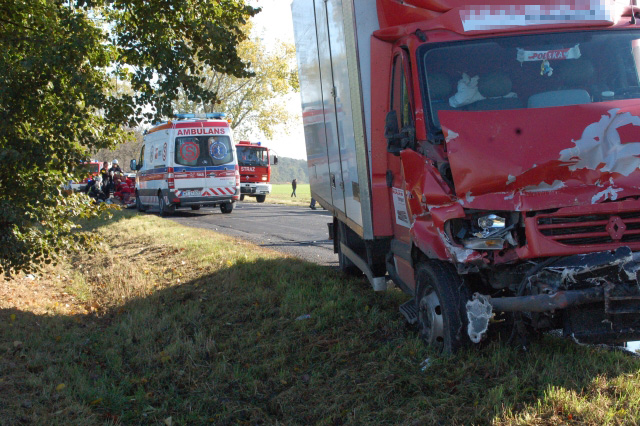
(483, 156)
(254, 161)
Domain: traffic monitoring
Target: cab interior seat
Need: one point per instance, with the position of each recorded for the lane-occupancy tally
(577, 77)
(440, 89)
(494, 86)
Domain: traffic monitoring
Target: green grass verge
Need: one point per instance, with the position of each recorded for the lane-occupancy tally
(200, 328)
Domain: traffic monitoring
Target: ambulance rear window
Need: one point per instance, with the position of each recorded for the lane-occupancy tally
(203, 150)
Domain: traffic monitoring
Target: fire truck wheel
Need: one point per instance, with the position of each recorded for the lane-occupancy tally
(441, 297)
(195, 207)
(141, 208)
(226, 207)
(241, 197)
(162, 206)
(260, 198)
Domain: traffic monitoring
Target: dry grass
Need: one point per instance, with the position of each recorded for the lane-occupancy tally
(172, 322)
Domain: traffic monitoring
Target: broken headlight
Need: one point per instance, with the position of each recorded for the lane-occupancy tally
(484, 231)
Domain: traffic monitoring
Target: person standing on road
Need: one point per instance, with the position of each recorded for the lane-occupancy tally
(312, 206)
(294, 185)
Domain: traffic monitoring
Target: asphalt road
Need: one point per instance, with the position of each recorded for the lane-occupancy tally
(294, 230)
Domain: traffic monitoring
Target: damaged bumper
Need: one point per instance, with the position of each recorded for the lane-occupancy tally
(603, 285)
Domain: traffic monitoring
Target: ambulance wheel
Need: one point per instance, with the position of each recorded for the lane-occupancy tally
(260, 198)
(195, 207)
(162, 206)
(241, 197)
(441, 297)
(141, 208)
(226, 207)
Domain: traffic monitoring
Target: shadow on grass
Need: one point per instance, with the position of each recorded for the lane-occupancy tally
(234, 346)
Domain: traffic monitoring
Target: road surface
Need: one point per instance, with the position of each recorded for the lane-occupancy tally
(294, 230)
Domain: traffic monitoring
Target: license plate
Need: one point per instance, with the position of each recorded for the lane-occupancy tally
(191, 193)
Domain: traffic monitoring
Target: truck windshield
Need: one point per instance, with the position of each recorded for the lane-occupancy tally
(533, 71)
(251, 156)
(203, 150)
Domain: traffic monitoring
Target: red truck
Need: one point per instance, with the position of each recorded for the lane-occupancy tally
(482, 155)
(255, 162)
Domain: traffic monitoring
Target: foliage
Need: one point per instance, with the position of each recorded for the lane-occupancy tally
(289, 169)
(57, 61)
(253, 104)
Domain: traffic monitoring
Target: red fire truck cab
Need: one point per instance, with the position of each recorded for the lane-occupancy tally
(255, 162)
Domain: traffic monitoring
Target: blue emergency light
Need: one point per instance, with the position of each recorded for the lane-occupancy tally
(214, 115)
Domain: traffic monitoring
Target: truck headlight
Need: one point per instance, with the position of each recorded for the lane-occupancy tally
(492, 222)
(264, 178)
(486, 232)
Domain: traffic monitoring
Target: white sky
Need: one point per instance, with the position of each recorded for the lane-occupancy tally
(272, 24)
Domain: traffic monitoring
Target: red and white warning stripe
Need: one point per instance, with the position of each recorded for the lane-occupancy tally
(208, 192)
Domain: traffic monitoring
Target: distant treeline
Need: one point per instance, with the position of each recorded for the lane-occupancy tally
(289, 169)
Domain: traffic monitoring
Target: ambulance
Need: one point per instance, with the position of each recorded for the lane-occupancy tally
(188, 162)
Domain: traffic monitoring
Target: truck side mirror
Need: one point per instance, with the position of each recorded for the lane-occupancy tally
(275, 160)
(133, 166)
(392, 132)
(398, 139)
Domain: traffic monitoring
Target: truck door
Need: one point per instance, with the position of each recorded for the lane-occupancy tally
(400, 102)
(331, 104)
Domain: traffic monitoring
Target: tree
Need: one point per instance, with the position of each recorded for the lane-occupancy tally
(57, 59)
(254, 104)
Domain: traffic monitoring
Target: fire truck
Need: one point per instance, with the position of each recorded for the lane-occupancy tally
(255, 163)
(482, 155)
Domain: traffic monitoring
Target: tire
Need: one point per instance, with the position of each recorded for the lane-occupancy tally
(261, 198)
(162, 206)
(226, 207)
(195, 207)
(441, 296)
(241, 197)
(141, 208)
(345, 264)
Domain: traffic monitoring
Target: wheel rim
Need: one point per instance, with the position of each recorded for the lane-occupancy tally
(430, 317)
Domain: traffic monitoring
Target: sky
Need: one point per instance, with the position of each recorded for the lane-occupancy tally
(272, 24)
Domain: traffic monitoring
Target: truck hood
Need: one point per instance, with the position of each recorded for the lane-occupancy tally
(531, 159)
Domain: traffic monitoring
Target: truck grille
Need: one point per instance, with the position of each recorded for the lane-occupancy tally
(591, 229)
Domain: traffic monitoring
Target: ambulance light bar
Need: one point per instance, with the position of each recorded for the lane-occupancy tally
(214, 115)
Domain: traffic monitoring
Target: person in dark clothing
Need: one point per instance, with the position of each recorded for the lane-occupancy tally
(114, 170)
(104, 174)
(312, 206)
(294, 185)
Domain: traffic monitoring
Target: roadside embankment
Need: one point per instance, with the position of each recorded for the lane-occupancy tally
(175, 325)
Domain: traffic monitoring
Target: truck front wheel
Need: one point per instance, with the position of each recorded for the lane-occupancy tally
(440, 297)
(260, 198)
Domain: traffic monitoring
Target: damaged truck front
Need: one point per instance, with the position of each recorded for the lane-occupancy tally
(483, 156)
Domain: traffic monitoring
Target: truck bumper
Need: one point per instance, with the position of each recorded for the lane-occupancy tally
(255, 188)
(596, 297)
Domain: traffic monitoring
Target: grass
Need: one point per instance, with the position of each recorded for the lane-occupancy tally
(281, 194)
(188, 325)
